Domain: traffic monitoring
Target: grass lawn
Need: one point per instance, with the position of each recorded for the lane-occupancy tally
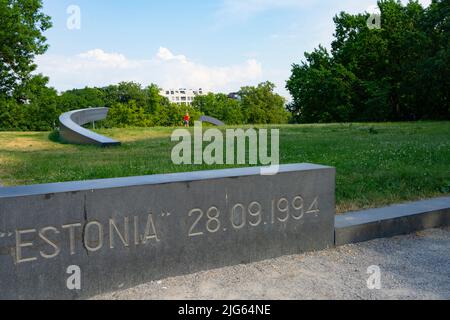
(377, 164)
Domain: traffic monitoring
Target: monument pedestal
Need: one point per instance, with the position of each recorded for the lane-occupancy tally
(119, 233)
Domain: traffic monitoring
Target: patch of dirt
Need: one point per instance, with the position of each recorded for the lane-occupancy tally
(27, 142)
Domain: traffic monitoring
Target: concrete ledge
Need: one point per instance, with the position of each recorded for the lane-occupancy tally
(71, 130)
(118, 233)
(392, 221)
(212, 120)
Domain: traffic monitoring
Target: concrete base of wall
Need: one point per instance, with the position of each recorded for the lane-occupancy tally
(119, 233)
(392, 221)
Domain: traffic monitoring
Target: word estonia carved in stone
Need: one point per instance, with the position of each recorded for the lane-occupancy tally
(91, 236)
(124, 232)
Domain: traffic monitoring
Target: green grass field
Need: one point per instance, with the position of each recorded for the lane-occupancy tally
(377, 164)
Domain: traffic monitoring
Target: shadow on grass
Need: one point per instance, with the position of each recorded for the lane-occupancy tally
(54, 136)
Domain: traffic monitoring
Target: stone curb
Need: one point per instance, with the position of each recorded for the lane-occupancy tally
(392, 221)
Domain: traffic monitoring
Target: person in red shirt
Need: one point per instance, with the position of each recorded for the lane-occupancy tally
(187, 119)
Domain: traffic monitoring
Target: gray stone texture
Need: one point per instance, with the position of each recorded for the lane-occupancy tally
(211, 120)
(71, 130)
(392, 221)
(124, 232)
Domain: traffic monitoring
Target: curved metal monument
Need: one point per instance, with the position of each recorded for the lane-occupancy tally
(71, 130)
(212, 120)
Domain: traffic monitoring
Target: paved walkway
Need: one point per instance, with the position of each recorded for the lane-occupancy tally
(412, 267)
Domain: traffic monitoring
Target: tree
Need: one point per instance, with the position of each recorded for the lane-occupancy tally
(125, 92)
(220, 107)
(171, 115)
(260, 105)
(434, 70)
(81, 98)
(12, 116)
(26, 103)
(41, 111)
(22, 23)
(397, 72)
(154, 101)
(318, 80)
(33, 107)
(129, 114)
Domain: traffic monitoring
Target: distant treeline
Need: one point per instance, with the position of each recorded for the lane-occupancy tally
(27, 103)
(400, 71)
(132, 105)
(395, 72)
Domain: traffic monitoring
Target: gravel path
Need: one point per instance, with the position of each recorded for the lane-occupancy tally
(412, 267)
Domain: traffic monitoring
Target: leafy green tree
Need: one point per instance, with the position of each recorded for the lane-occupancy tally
(154, 101)
(125, 92)
(81, 98)
(12, 116)
(170, 115)
(22, 24)
(129, 114)
(433, 72)
(33, 107)
(42, 111)
(220, 107)
(26, 103)
(260, 105)
(397, 72)
(319, 80)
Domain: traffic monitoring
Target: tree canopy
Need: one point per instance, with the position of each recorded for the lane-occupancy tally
(400, 71)
(255, 105)
(22, 24)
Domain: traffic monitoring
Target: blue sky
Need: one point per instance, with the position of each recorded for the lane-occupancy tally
(219, 45)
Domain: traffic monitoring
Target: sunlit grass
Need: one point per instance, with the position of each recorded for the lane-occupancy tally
(377, 164)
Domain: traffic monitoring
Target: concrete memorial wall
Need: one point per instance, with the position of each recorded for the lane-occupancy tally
(117, 233)
(71, 130)
(211, 120)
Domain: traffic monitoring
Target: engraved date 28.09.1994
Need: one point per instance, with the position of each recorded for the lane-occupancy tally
(282, 210)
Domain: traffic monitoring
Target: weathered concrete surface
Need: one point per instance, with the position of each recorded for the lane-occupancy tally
(124, 232)
(392, 221)
(211, 120)
(415, 266)
(71, 131)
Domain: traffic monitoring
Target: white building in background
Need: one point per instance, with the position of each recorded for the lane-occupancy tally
(181, 96)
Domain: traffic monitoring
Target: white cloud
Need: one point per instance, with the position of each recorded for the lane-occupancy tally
(113, 60)
(99, 68)
(373, 9)
(166, 55)
(425, 3)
